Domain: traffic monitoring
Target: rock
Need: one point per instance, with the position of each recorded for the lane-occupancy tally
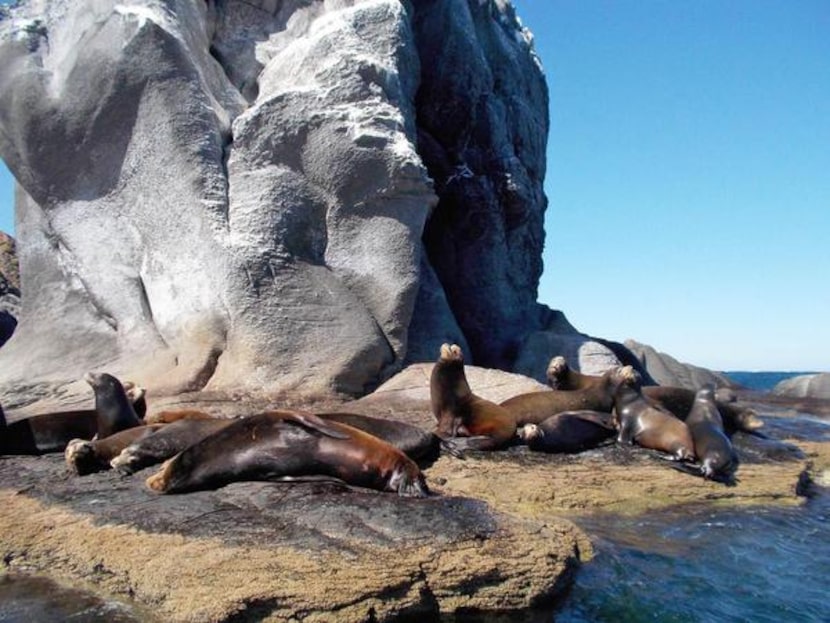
(666, 370)
(805, 386)
(582, 353)
(9, 287)
(232, 195)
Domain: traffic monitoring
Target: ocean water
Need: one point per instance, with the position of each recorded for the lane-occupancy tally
(761, 381)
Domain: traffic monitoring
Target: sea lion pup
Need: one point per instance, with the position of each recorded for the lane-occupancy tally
(562, 377)
(534, 407)
(651, 427)
(571, 431)
(414, 442)
(484, 425)
(113, 409)
(87, 457)
(680, 400)
(714, 451)
(285, 445)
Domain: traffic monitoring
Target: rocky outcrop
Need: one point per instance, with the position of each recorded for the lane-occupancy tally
(9, 287)
(262, 195)
(805, 386)
(666, 370)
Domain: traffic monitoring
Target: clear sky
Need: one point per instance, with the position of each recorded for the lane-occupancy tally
(688, 175)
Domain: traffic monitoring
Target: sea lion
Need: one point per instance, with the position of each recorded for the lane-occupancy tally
(415, 442)
(50, 432)
(534, 407)
(649, 426)
(571, 431)
(165, 442)
(87, 457)
(562, 377)
(170, 416)
(714, 451)
(482, 424)
(112, 407)
(679, 401)
(289, 444)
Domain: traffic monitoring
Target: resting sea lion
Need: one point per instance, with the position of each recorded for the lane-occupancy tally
(170, 416)
(86, 457)
(50, 432)
(534, 407)
(289, 444)
(651, 427)
(713, 449)
(415, 442)
(484, 425)
(679, 401)
(561, 376)
(570, 431)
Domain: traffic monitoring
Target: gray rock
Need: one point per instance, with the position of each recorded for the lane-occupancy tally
(232, 195)
(582, 353)
(805, 386)
(666, 370)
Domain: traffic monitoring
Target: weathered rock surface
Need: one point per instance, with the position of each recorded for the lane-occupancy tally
(666, 370)
(805, 386)
(9, 287)
(236, 195)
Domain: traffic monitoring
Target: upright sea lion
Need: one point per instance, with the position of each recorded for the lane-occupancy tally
(289, 444)
(717, 457)
(571, 431)
(679, 401)
(651, 427)
(534, 407)
(561, 376)
(483, 425)
(50, 432)
(112, 407)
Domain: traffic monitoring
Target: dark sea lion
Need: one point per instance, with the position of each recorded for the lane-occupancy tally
(714, 451)
(534, 407)
(651, 427)
(50, 432)
(482, 424)
(289, 444)
(679, 401)
(571, 431)
(112, 406)
(415, 442)
(562, 377)
(86, 457)
(167, 441)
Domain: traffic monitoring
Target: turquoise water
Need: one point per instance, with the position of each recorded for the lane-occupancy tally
(761, 381)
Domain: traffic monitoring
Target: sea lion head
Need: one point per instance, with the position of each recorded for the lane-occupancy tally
(556, 367)
(529, 432)
(629, 376)
(749, 421)
(719, 467)
(408, 481)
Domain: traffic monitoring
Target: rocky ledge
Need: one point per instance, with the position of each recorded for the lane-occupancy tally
(497, 535)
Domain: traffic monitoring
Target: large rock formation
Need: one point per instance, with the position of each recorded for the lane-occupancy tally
(805, 386)
(666, 370)
(237, 194)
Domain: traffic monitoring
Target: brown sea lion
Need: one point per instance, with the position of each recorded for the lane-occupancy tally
(714, 451)
(50, 432)
(679, 401)
(415, 442)
(534, 407)
(170, 416)
(651, 427)
(571, 431)
(562, 377)
(289, 444)
(86, 457)
(470, 422)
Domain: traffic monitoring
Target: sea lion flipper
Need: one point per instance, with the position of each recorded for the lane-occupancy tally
(309, 420)
(451, 447)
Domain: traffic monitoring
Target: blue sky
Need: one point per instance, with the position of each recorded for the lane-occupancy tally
(688, 175)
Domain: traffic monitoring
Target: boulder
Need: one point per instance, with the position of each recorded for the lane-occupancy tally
(805, 386)
(666, 370)
(261, 196)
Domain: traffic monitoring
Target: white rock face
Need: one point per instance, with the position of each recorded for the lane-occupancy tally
(233, 195)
